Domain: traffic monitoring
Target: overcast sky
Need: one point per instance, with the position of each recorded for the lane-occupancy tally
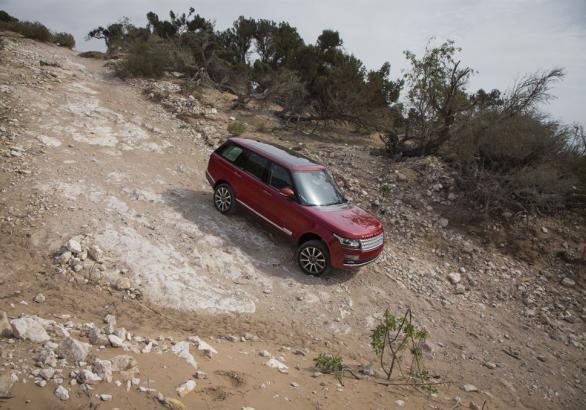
(501, 39)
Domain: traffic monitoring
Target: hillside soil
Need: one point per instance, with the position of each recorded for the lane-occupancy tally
(119, 167)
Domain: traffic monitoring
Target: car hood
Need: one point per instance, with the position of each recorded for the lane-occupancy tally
(348, 220)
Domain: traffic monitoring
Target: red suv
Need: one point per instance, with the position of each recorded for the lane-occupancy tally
(297, 197)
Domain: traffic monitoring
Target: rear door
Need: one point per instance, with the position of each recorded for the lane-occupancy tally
(253, 169)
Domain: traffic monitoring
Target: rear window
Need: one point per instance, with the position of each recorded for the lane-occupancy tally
(230, 152)
(254, 164)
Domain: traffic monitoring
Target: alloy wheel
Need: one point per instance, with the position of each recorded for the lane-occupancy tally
(223, 199)
(312, 260)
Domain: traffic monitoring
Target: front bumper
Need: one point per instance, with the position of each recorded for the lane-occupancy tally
(341, 257)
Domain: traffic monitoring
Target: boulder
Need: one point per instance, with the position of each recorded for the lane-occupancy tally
(95, 253)
(103, 368)
(29, 328)
(62, 393)
(86, 376)
(73, 245)
(115, 341)
(73, 350)
(123, 363)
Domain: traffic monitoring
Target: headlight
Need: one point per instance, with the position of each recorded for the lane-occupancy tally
(348, 243)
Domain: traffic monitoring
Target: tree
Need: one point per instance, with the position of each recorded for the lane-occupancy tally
(436, 97)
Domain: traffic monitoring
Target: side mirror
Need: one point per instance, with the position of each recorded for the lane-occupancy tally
(288, 193)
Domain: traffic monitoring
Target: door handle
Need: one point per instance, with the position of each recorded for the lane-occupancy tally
(267, 192)
(237, 174)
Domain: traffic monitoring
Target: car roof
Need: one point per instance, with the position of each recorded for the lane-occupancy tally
(278, 154)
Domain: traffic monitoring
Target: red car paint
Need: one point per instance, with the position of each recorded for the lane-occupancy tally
(288, 215)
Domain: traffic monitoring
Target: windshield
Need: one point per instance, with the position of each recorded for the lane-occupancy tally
(317, 188)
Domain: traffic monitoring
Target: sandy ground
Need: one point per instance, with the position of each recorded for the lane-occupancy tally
(100, 160)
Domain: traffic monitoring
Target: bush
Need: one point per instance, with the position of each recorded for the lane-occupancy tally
(7, 18)
(35, 31)
(236, 127)
(147, 58)
(32, 30)
(64, 40)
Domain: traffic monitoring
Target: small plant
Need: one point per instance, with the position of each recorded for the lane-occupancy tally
(44, 63)
(396, 338)
(328, 363)
(261, 126)
(332, 364)
(236, 127)
(385, 189)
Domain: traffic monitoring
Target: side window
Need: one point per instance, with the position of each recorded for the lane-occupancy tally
(230, 152)
(254, 164)
(279, 177)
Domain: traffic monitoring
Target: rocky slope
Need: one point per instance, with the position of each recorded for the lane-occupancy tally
(121, 283)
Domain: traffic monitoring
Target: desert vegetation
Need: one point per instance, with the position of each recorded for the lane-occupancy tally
(509, 155)
(35, 31)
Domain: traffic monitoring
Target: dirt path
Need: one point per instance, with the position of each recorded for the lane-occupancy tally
(94, 157)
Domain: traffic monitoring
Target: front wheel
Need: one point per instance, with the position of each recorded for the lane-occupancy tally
(224, 199)
(313, 257)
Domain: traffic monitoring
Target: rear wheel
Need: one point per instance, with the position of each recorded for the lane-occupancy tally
(224, 199)
(313, 257)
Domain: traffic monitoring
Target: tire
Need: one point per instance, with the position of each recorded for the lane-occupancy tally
(313, 257)
(224, 198)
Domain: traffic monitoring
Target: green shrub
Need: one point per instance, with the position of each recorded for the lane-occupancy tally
(236, 127)
(7, 18)
(33, 30)
(64, 40)
(147, 58)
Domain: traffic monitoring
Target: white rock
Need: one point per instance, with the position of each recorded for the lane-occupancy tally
(47, 373)
(444, 222)
(39, 298)
(103, 368)
(567, 282)
(115, 341)
(41, 382)
(470, 388)
(203, 346)
(86, 376)
(122, 283)
(400, 403)
(95, 253)
(275, 364)
(148, 347)
(105, 397)
(454, 277)
(185, 388)
(73, 245)
(62, 393)
(181, 349)
(29, 328)
(264, 353)
(73, 350)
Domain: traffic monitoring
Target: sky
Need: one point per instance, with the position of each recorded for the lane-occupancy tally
(500, 39)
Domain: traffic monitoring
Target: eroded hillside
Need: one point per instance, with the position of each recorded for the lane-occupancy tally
(105, 210)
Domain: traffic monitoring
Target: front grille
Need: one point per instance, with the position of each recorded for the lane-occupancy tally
(372, 243)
